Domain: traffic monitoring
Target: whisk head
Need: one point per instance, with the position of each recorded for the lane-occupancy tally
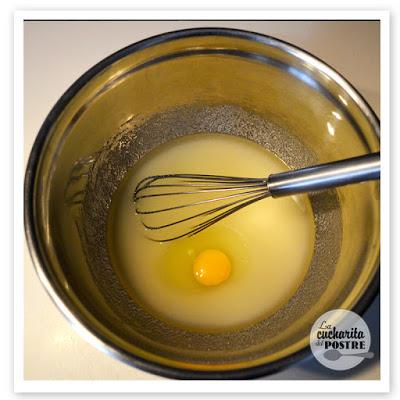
(179, 205)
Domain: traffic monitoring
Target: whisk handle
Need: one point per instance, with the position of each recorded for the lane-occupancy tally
(324, 176)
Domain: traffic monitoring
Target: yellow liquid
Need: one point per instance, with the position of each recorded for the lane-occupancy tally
(269, 243)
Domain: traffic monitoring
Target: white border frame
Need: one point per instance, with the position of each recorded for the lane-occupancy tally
(142, 386)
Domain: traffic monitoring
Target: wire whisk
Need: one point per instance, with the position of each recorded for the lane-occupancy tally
(174, 206)
(167, 197)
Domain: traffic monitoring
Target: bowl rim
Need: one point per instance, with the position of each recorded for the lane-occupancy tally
(78, 322)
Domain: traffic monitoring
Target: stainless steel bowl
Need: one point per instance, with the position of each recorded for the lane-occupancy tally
(178, 83)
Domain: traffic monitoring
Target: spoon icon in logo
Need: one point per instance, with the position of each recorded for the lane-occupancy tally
(333, 355)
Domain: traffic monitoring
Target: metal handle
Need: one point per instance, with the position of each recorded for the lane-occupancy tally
(324, 176)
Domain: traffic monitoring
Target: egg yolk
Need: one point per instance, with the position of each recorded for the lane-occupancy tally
(211, 267)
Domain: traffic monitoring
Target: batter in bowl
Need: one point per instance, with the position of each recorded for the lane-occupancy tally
(230, 275)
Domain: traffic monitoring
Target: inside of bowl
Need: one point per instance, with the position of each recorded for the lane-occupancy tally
(212, 84)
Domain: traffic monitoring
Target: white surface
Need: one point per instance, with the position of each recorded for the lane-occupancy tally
(55, 55)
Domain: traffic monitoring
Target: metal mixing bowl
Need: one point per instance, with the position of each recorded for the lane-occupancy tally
(178, 83)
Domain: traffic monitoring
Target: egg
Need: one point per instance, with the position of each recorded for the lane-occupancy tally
(230, 275)
(212, 267)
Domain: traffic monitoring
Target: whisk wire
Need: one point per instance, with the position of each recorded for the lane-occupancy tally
(224, 196)
(203, 189)
(204, 213)
(197, 203)
(194, 178)
(225, 214)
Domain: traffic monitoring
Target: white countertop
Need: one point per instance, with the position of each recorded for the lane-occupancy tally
(55, 55)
